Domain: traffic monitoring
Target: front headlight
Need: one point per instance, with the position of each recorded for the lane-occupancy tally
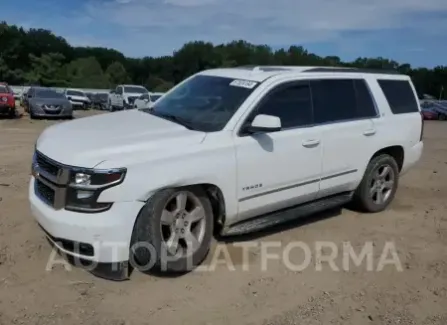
(86, 186)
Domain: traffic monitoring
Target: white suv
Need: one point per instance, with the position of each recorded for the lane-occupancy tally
(226, 151)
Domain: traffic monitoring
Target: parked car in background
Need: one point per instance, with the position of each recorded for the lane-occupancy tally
(77, 98)
(7, 100)
(147, 100)
(429, 114)
(434, 109)
(18, 94)
(99, 101)
(46, 102)
(124, 96)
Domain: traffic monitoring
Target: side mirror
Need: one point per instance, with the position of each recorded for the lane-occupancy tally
(264, 123)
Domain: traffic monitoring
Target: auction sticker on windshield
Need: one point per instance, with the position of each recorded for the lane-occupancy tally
(243, 83)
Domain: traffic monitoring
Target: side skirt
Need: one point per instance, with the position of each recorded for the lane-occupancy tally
(286, 215)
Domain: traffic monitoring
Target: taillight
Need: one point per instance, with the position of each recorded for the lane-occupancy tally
(422, 126)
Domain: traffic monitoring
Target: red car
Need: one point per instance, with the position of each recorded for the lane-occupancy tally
(7, 100)
(429, 114)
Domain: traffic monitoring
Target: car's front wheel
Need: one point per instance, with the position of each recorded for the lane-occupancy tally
(379, 184)
(173, 231)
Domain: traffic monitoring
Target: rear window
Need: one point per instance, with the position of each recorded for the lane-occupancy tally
(341, 100)
(400, 96)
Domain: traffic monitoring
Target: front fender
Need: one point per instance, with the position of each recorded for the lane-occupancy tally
(210, 166)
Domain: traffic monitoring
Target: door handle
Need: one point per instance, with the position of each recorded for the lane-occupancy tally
(369, 132)
(311, 143)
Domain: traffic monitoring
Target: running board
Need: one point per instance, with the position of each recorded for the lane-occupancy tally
(279, 217)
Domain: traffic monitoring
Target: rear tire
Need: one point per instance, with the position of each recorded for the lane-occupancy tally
(165, 226)
(442, 117)
(378, 186)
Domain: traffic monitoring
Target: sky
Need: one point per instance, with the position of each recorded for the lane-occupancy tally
(409, 31)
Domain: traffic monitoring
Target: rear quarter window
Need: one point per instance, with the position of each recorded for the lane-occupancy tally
(400, 96)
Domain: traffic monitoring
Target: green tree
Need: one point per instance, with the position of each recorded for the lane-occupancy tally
(87, 73)
(39, 56)
(46, 70)
(117, 74)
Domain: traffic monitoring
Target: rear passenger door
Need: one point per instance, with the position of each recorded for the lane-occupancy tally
(344, 111)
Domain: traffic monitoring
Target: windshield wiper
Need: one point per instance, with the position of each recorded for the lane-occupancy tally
(173, 118)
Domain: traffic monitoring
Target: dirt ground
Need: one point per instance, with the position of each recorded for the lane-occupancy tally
(416, 223)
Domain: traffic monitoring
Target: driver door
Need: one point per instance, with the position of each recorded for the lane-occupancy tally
(280, 169)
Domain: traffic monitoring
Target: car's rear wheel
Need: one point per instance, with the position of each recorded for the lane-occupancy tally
(378, 186)
(173, 231)
(442, 117)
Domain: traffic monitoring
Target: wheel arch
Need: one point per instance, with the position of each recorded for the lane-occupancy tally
(214, 194)
(397, 152)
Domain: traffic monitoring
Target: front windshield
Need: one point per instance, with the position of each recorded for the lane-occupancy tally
(75, 93)
(137, 90)
(48, 93)
(3, 89)
(204, 103)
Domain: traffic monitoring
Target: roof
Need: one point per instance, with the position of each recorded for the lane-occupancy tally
(261, 73)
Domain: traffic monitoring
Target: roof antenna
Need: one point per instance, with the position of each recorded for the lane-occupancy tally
(256, 69)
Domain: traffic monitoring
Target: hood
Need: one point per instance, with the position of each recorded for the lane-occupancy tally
(88, 141)
(50, 101)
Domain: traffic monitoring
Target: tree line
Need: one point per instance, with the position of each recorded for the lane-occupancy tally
(39, 57)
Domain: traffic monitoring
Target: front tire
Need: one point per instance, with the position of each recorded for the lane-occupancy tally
(12, 113)
(378, 186)
(173, 231)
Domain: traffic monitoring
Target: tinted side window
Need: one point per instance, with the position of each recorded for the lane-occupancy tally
(365, 103)
(292, 104)
(399, 95)
(334, 100)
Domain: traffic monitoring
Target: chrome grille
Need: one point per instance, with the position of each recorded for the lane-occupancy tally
(46, 164)
(51, 180)
(45, 192)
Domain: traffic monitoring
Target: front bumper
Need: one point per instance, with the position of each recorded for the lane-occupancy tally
(102, 238)
(79, 104)
(40, 114)
(5, 108)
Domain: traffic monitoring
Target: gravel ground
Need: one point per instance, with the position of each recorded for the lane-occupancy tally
(416, 223)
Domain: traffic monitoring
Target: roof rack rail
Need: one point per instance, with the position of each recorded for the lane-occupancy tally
(269, 68)
(349, 69)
